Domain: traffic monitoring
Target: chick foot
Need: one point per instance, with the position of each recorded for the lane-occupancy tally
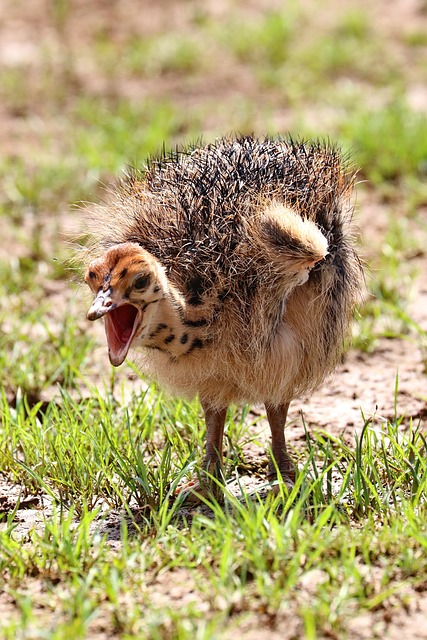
(204, 485)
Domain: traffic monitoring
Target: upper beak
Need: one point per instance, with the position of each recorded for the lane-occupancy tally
(102, 304)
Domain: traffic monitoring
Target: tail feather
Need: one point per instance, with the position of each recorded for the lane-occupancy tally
(290, 238)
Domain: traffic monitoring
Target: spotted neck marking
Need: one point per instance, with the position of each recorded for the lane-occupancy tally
(170, 331)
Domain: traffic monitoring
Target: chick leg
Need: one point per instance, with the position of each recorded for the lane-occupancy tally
(212, 465)
(215, 421)
(280, 457)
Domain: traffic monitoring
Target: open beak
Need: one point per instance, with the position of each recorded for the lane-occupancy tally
(121, 323)
(102, 304)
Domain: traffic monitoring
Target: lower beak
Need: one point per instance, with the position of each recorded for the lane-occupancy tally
(101, 305)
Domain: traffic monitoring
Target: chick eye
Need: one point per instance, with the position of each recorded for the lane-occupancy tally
(141, 282)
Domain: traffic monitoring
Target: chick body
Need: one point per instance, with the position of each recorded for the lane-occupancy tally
(250, 256)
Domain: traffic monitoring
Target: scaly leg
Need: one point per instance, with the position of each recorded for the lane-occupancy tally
(277, 420)
(215, 421)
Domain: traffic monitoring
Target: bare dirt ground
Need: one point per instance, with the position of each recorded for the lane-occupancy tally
(364, 382)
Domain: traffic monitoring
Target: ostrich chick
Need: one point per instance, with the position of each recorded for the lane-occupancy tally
(232, 269)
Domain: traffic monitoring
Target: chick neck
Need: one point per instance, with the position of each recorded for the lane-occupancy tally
(168, 328)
